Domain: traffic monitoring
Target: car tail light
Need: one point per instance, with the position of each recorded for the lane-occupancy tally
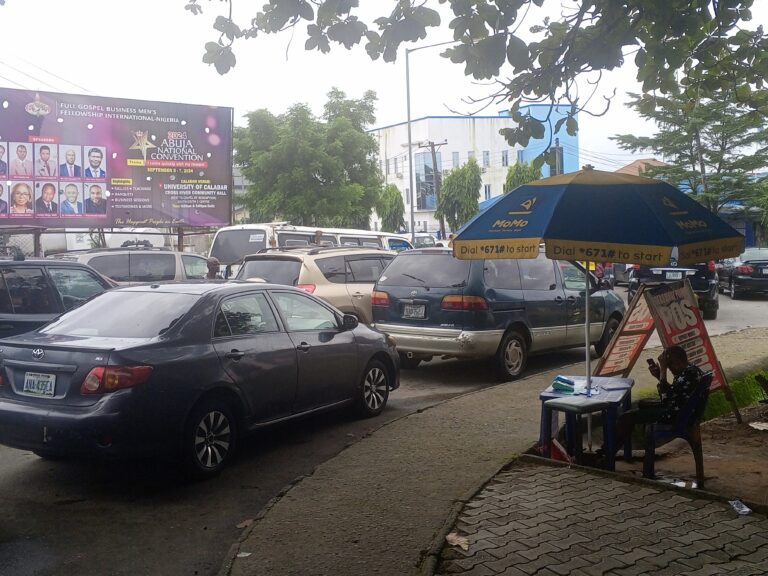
(308, 287)
(103, 379)
(711, 265)
(2, 380)
(457, 302)
(379, 298)
(745, 269)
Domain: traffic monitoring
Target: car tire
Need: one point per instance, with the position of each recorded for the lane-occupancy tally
(710, 314)
(408, 363)
(610, 328)
(732, 291)
(511, 356)
(210, 438)
(373, 392)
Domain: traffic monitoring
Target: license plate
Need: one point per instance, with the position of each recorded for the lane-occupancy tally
(765, 271)
(414, 311)
(39, 384)
(674, 275)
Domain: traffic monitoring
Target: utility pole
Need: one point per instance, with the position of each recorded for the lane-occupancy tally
(437, 175)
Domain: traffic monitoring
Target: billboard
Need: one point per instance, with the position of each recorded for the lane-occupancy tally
(86, 161)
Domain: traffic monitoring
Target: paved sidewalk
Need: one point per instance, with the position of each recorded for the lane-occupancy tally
(381, 505)
(535, 519)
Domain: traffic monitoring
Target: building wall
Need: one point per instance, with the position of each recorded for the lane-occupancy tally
(457, 138)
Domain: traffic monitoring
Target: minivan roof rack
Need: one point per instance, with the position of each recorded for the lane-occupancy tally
(313, 249)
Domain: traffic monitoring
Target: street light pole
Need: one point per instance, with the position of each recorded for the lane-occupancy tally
(408, 111)
(410, 143)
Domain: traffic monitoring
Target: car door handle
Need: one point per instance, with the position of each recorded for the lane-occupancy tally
(571, 299)
(303, 347)
(559, 299)
(235, 354)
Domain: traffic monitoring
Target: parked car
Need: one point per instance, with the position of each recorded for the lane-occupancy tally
(747, 274)
(201, 366)
(34, 292)
(620, 273)
(703, 279)
(343, 276)
(136, 265)
(433, 304)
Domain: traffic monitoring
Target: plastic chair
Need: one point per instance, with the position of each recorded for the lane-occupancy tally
(686, 427)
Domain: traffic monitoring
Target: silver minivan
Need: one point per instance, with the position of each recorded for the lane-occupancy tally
(141, 265)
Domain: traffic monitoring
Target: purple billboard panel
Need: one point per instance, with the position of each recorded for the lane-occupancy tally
(85, 161)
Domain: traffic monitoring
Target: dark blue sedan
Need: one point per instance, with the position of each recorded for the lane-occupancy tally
(186, 369)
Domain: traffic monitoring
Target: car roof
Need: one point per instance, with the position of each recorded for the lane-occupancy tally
(301, 251)
(201, 288)
(42, 262)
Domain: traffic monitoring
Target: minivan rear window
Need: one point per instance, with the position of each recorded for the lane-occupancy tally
(272, 270)
(229, 247)
(433, 270)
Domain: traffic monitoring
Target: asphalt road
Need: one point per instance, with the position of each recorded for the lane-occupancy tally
(64, 518)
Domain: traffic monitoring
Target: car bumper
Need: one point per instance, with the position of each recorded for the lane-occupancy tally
(706, 299)
(104, 429)
(751, 285)
(443, 341)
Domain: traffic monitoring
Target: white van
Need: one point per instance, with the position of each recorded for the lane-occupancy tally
(232, 243)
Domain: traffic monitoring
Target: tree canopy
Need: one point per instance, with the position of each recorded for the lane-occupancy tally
(309, 171)
(459, 193)
(694, 43)
(391, 209)
(711, 145)
(521, 173)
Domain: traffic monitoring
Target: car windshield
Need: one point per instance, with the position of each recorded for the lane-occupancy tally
(231, 246)
(124, 314)
(272, 270)
(424, 242)
(434, 270)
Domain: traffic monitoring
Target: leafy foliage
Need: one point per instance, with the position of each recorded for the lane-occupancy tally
(701, 44)
(309, 171)
(459, 194)
(712, 144)
(521, 173)
(391, 209)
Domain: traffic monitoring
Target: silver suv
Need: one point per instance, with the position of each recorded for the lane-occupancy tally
(139, 265)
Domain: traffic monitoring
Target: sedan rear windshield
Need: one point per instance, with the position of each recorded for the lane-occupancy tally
(274, 271)
(433, 270)
(754, 254)
(124, 314)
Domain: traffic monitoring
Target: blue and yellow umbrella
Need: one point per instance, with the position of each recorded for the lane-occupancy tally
(594, 216)
(599, 216)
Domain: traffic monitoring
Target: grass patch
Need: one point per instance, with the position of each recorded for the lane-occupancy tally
(746, 392)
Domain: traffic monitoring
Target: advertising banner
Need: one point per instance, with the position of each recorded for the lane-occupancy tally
(630, 339)
(86, 161)
(679, 323)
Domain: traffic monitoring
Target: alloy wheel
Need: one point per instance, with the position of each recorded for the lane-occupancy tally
(375, 388)
(513, 356)
(213, 436)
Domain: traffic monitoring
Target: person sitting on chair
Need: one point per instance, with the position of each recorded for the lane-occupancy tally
(672, 396)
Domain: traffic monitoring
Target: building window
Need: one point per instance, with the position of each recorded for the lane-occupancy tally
(520, 157)
(555, 160)
(505, 157)
(425, 180)
(470, 154)
(455, 159)
(486, 158)
(487, 191)
(408, 196)
(388, 165)
(504, 188)
(397, 169)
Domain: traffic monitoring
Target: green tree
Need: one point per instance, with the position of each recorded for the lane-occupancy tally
(391, 209)
(459, 194)
(308, 171)
(700, 43)
(521, 173)
(711, 145)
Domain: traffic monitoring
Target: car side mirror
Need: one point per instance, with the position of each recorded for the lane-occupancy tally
(606, 284)
(349, 322)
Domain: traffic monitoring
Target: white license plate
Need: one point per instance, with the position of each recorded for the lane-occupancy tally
(414, 311)
(765, 271)
(39, 384)
(674, 275)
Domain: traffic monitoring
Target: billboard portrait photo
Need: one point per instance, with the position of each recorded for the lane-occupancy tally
(112, 162)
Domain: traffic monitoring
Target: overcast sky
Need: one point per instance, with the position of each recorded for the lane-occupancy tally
(152, 49)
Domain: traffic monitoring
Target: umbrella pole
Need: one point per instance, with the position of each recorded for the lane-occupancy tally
(588, 356)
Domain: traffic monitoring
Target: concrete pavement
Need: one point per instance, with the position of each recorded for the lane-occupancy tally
(383, 505)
